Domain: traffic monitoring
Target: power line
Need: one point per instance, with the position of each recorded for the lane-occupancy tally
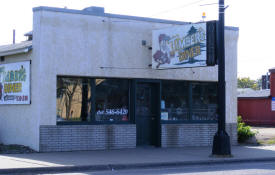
(180, 7)
(209, 4)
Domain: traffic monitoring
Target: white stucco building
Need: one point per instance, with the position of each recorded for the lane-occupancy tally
(92, 86)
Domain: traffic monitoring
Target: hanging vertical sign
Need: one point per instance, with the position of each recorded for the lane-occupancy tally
(191, 45)
(273, 104)
(15, 83)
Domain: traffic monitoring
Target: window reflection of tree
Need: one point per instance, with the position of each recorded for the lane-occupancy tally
(66, 91)
(72, 98)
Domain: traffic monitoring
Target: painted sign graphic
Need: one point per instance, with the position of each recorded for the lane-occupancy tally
(182, 46)
(15, 83)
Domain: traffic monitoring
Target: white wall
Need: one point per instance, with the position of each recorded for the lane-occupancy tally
(231, 38)
(18, 123)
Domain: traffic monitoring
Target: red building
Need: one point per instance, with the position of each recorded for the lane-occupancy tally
(255, 107)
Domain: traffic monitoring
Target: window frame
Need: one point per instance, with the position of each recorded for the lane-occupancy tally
(93, 103)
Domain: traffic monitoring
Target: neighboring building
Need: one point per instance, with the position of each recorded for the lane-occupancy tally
(257, 107)
(92, 86)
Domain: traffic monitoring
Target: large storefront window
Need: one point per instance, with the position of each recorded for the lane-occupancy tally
(112, 100)
(73, 99)
(107, 100)
(188, 101)
(92, 100)
(174, 101)
(204, 101)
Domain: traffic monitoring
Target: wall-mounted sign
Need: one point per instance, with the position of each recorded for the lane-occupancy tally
(273, 104)
(184, 46)
(15, 83)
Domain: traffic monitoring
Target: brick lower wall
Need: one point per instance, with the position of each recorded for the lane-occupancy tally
(86, 137)
(180, 135)
(100, 137)
(231, 129)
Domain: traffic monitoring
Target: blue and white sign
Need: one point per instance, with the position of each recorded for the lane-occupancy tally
(273, 104)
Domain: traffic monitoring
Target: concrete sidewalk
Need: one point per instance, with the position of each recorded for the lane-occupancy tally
(126, 159)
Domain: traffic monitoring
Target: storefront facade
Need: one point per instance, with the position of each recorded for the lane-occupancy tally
(92, 87)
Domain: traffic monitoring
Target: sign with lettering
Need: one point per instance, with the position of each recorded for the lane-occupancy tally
(182, 46)
(273, 104)
(15, 83)
(119, 111)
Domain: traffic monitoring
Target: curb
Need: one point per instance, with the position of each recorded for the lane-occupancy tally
(111, 167)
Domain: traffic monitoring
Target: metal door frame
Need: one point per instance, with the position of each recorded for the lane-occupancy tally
(157, 86)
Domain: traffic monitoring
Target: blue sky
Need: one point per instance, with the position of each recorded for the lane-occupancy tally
(253, 17)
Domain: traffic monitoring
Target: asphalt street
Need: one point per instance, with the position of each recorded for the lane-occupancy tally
(255, 168)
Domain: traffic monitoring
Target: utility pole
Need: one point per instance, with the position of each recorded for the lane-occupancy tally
(221, 142)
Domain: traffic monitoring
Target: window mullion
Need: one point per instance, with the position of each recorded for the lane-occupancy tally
(93, 92)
